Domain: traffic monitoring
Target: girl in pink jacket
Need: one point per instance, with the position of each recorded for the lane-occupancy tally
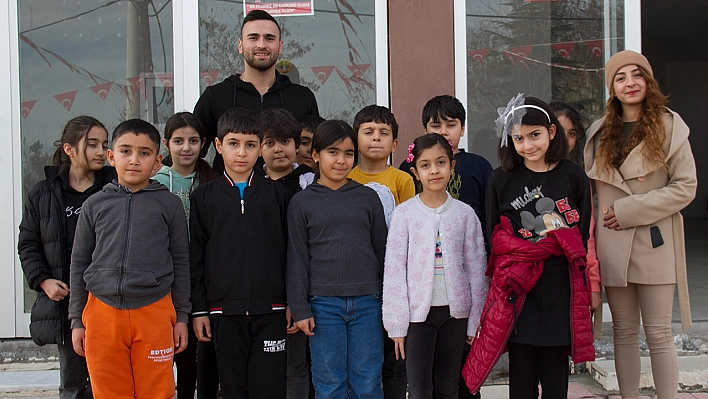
(434, 283)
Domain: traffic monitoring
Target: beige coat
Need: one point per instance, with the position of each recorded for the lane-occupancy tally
(644, 196)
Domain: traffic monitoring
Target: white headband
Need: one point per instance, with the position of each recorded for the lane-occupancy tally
(528, 106)
(511, 115)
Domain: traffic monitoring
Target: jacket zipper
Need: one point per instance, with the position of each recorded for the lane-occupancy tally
(121, 277)
(243, 240)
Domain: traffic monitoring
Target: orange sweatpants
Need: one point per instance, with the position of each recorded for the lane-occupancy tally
(129, 353)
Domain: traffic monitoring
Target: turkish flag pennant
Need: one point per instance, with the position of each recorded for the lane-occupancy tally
(478, 55)
(136, 83)
(66, 99)
(596, 46)
(26, 107)
(358, 70)
(209, 77)
(102, 90)
(167, 80)
(524, 51)
(563, 49)
(322, 72)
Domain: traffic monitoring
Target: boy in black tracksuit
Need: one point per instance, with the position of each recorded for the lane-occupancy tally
(237, 258)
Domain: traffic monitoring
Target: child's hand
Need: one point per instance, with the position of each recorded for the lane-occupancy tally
(596, 300)
(290, 326)
(179, 333)
(306, 326)
(56, 290)
(469, 340)
(202, 328)
(398, 343)
(78, 340)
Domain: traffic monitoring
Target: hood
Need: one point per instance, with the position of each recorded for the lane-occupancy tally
(281, 82)
(319, 188)
(115, 187)
(174, 181)
(106, 174)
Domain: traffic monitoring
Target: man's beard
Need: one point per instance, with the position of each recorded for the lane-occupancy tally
(260, 65)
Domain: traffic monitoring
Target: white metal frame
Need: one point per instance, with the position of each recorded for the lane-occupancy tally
(15, 322)
(460, 32)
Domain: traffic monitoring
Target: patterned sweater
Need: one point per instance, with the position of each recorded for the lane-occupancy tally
(410, 256)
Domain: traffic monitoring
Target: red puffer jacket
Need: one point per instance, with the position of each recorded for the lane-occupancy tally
(515, 266)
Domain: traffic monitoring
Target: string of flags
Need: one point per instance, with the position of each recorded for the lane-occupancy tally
(522, 54)
(139, 84)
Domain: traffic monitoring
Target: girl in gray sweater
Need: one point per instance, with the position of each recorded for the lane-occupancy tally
(336, 243)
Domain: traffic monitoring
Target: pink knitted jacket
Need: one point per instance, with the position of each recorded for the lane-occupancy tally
(409, 263)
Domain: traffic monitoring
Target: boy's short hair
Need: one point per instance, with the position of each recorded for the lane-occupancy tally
(377, 114)
(443, 107)
(137, 126)
(239, 120)
(280, 124)
(311, 122)
(259, 15)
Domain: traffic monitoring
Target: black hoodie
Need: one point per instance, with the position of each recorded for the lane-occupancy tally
(233, 92)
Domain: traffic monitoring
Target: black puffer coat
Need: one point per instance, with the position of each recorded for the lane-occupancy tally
(42, 249)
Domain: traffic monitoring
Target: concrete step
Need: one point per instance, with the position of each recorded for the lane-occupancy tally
(693, 373)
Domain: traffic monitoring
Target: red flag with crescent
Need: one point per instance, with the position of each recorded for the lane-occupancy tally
(596, 46)
(66, 99)
(358, 70)
(478, 55)
(209, 77)
(524, 51)
(136, 83)
(322, 72)
(102, 90)
(26, 107)
(563, 49)
(167, 80)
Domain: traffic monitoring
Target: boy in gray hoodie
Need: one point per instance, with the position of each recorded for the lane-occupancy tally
(130, 274)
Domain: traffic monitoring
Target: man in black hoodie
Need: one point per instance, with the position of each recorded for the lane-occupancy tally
(260, 86)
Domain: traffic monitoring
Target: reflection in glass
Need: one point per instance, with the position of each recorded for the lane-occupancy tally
(108, 59)
(331, 52)
(555, 51)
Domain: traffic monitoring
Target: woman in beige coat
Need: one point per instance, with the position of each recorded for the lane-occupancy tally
(640, 163)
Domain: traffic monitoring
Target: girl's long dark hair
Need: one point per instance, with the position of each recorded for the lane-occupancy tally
(74, 131)
(180, 120)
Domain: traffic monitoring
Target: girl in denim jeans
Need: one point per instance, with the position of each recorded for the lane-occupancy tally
(336, 243)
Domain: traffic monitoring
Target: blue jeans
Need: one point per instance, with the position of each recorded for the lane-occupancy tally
(347, 348)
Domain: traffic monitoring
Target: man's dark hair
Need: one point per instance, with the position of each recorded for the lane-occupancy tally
(377, 114)
(280, 124)
(259, 15)
(137, 126)
(239, 120)
(443, 108)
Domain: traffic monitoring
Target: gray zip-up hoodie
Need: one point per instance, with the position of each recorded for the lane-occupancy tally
(130, 250)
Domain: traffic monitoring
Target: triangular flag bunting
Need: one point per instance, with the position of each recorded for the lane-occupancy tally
(66, 99)
(524, 51)
(563, 49)
(358, 70)
(102, 90)
(26, 107)
(478, 55)
(595, 46)
(209, 77)
(322, 72)
(167, 80)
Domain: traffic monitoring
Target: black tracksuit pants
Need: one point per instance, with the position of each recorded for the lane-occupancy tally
(250, 355)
